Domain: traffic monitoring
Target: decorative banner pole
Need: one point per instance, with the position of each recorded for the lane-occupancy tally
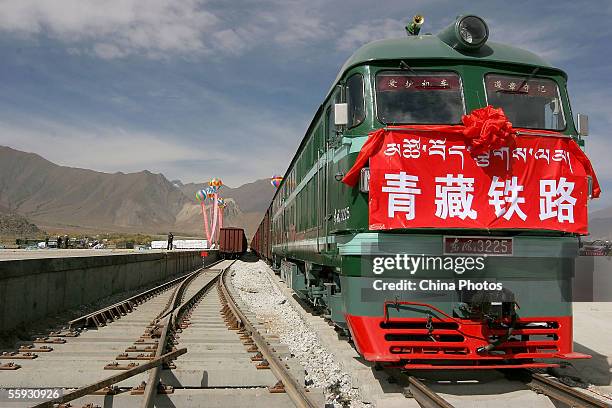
(214, 211)
(215, 215)
(221, 203)
(205, 213)
(214, 185)
(201, 197)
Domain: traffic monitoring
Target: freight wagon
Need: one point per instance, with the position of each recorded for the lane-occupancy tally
(232, 242)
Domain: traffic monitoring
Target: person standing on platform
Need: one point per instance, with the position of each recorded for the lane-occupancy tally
(170, 239)
(59, 242)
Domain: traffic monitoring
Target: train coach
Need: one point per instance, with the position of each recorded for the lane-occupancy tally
(434, 206)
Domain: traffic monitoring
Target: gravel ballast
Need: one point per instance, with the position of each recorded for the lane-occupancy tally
(263, 297)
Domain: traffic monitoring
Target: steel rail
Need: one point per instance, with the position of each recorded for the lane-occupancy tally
(298, 394)
(159, 359)
(129, 303)
(181, 309)
(115, 311)
(170, 323)
(83, 391)
(565, 394)
(177, 296)
(425, 396)
(151, 387)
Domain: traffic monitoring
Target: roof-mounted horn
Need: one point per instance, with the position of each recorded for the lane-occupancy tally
(415, 26)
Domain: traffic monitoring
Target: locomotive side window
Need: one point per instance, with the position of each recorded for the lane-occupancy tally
(419, 98)
(530, 103)
(355, 100)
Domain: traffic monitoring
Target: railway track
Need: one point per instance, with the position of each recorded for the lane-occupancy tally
(559, 394)
(425, 396)
(184, 343)
(555, 390)
(189, 342)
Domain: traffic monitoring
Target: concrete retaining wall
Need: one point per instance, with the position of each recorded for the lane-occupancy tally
(32, 289)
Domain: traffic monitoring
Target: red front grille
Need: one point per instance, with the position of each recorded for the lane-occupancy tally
(409, 340)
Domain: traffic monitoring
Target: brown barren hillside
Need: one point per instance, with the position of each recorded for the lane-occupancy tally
(54, 196)
(15, 225)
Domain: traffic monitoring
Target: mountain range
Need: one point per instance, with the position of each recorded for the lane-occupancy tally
(60, 198)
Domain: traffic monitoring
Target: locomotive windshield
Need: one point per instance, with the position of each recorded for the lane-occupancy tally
(533, 103)
(419, 98)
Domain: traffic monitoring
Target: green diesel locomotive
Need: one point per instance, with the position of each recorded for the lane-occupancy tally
(513, 306)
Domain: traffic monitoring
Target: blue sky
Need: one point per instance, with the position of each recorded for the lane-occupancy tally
(195, 89)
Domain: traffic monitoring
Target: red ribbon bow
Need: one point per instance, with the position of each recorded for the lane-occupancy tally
(487, 129)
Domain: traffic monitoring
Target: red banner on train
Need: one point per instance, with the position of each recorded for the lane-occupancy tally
(428, 178)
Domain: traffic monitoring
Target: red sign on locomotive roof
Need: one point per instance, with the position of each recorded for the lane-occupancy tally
(531, 87)
(407, 83)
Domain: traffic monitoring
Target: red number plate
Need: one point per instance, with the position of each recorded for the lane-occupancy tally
(477, 246)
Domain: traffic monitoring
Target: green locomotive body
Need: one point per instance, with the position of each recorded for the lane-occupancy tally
(316, 231)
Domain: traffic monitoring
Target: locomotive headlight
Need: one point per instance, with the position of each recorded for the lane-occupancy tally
(473, 30)
(466, 32)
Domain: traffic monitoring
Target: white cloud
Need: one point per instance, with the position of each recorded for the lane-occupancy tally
(229, 41)
(104, 149)
(366, 32)
(546, 38)
(108, 51)
(299, 28)
(595, 103)
(116, 27)
(156, 28)
(234, 153)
